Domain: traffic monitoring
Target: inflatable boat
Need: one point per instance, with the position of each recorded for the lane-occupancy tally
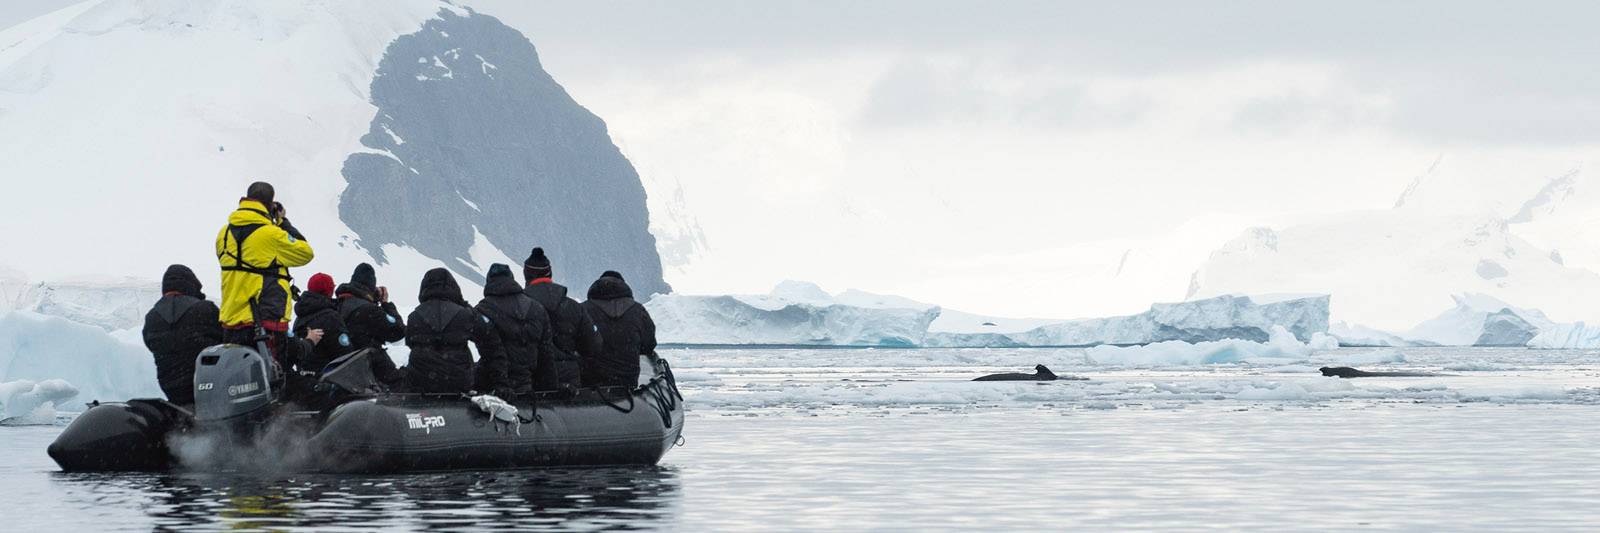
(236, 424)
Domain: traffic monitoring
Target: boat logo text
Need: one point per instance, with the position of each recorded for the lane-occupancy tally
(424, 423)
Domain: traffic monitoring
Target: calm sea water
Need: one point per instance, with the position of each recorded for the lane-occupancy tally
(793, 439)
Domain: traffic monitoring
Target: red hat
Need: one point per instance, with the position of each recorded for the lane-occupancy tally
(321, 284)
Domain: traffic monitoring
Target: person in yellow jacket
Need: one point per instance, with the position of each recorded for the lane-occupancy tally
(256, 250)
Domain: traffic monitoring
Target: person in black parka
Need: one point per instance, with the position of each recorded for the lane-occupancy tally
(317, 310)
(626, 332)
(177, 329)
(371, 320)
(573, 333)
(438, 332)
(523, 327)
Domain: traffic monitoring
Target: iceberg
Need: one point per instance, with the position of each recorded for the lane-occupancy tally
(26, 402)
(800, 313)
(1359, 335)
(101, 365)
(1481, 320)
(1280, 348)
(793, 313)
(1210, 319)
(1567, 337)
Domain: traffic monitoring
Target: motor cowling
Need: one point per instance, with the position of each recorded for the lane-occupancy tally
(230, 381)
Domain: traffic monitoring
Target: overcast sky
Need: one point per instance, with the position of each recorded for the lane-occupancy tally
(1010, 157)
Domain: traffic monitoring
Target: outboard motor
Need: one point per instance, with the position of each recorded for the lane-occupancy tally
(231, 381)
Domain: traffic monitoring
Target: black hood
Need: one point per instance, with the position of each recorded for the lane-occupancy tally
(312, 303)
(500, 281)
(365, 277)
(609, 288)
(181, 280)
(439, 284)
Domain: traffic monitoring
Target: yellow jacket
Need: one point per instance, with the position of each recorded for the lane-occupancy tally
(258, 275)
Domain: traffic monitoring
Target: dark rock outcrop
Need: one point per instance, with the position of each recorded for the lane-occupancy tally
(472, 134)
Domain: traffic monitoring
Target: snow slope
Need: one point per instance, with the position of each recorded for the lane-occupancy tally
(1394, 269)
(1524, 239)
(157, 113)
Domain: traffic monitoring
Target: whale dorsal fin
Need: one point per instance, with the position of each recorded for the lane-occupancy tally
(1043, 371)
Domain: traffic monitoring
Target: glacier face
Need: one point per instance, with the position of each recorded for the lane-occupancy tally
(471, 134)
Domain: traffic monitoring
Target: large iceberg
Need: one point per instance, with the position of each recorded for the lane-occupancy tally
(102, 366)
(803, 314)
(1210, 319)
(1567, 336)
(793, 313)
(1481, 320)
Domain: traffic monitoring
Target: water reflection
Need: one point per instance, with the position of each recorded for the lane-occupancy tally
(600, 498)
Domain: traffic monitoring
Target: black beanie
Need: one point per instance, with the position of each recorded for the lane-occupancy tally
(537, 259)
(365, 277)
(611, 274)
(537, 266)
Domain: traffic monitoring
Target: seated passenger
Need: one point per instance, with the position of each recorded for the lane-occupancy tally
(177, 329)
(522, 325)
(317, 310)
(626, 332)
(572, 333)
(438, 332)
(371, 320)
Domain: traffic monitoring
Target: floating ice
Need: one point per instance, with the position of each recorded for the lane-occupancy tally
(26, 402)
(103, 366)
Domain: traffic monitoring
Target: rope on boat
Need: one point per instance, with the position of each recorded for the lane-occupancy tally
(664, 389)
(601, 392)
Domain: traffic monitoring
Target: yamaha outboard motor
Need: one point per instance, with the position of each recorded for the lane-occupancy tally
(231, 381)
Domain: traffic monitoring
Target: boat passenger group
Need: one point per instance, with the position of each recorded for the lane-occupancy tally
(530, 338)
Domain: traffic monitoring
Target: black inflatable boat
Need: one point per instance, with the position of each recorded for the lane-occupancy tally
(237, 426)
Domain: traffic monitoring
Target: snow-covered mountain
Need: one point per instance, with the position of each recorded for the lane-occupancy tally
(1393, 269)
(409, 133)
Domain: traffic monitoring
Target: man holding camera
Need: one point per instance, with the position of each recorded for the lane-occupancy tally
(256, 250)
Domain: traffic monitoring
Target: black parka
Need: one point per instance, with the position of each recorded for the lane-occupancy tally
(315, 311)
(626, 332)
(438, 332)
(572, 334)
(522, 324)
(369, 323)
(177, 329)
